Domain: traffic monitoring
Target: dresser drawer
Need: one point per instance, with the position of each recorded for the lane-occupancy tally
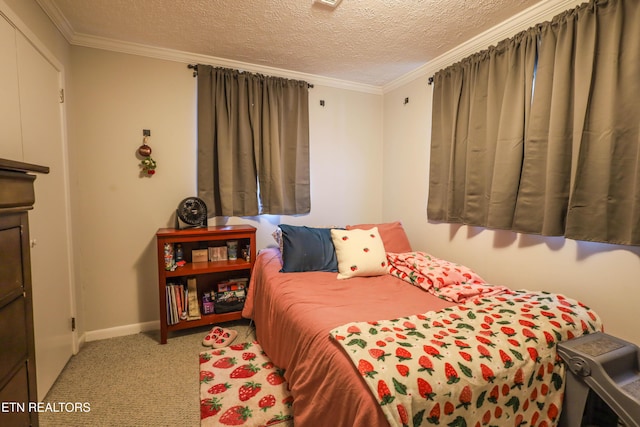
(16, 189)
(13, 336)
(16, 390)
(11, 275)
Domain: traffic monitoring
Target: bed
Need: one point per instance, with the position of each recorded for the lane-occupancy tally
(338, 339)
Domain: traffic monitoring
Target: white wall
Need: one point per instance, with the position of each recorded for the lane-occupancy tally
(602, 276)
(112, 97)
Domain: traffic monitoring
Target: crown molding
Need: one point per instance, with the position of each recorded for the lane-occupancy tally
(85, 40)
(189, 58)
(541, 12)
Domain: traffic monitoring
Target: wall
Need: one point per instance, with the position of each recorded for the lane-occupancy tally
(112, 97)
(602, 276)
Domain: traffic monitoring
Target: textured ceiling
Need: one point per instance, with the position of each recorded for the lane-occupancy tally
(371, 42)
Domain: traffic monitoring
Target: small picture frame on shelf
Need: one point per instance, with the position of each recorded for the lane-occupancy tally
(199, 255)
(218, 253)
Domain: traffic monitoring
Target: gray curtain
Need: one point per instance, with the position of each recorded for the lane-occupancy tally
(283, 152)
(480, 113)
(581, 171)
(604, 204)
(577, 172)
(253, 143)
(545, 181)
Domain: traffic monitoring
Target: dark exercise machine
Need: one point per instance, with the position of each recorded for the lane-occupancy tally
(606, 366)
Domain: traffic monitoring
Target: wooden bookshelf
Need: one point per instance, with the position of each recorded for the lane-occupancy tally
(207, 274)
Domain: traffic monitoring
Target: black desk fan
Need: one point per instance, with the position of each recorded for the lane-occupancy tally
(191, 212)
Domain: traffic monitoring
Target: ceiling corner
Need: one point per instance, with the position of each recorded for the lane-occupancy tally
(57, 17)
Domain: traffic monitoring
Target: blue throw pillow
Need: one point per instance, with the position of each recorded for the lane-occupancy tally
(307, 249)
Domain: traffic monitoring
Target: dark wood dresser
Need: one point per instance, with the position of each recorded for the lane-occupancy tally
(17, 349)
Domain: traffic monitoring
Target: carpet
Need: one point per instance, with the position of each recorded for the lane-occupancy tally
(239, 385)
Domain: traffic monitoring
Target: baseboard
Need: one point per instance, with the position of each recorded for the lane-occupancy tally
(120, 331)
(82, 339)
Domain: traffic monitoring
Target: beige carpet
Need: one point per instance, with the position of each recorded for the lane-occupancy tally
(135, 381)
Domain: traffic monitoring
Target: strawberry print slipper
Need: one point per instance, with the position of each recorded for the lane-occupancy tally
(225, 338)
(213, 335)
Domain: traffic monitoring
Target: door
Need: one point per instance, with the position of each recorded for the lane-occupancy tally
(10, 138)
(49, 221)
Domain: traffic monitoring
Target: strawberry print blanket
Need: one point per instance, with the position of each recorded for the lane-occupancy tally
(489, 362)
(239, 385)
(444, 279)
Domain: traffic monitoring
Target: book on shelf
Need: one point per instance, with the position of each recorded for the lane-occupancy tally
(182, 302)
(176, 307)
(193, 309)
(169, 309)
(172, 305)
(178, 292)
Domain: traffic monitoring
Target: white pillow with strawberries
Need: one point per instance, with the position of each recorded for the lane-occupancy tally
(359, 252)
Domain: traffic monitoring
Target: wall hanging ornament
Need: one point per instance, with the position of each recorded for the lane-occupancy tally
(147, 164)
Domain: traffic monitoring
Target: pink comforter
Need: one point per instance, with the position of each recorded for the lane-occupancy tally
(294, 313)
(442, 278)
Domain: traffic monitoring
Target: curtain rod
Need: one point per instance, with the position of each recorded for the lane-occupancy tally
(194, 67)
